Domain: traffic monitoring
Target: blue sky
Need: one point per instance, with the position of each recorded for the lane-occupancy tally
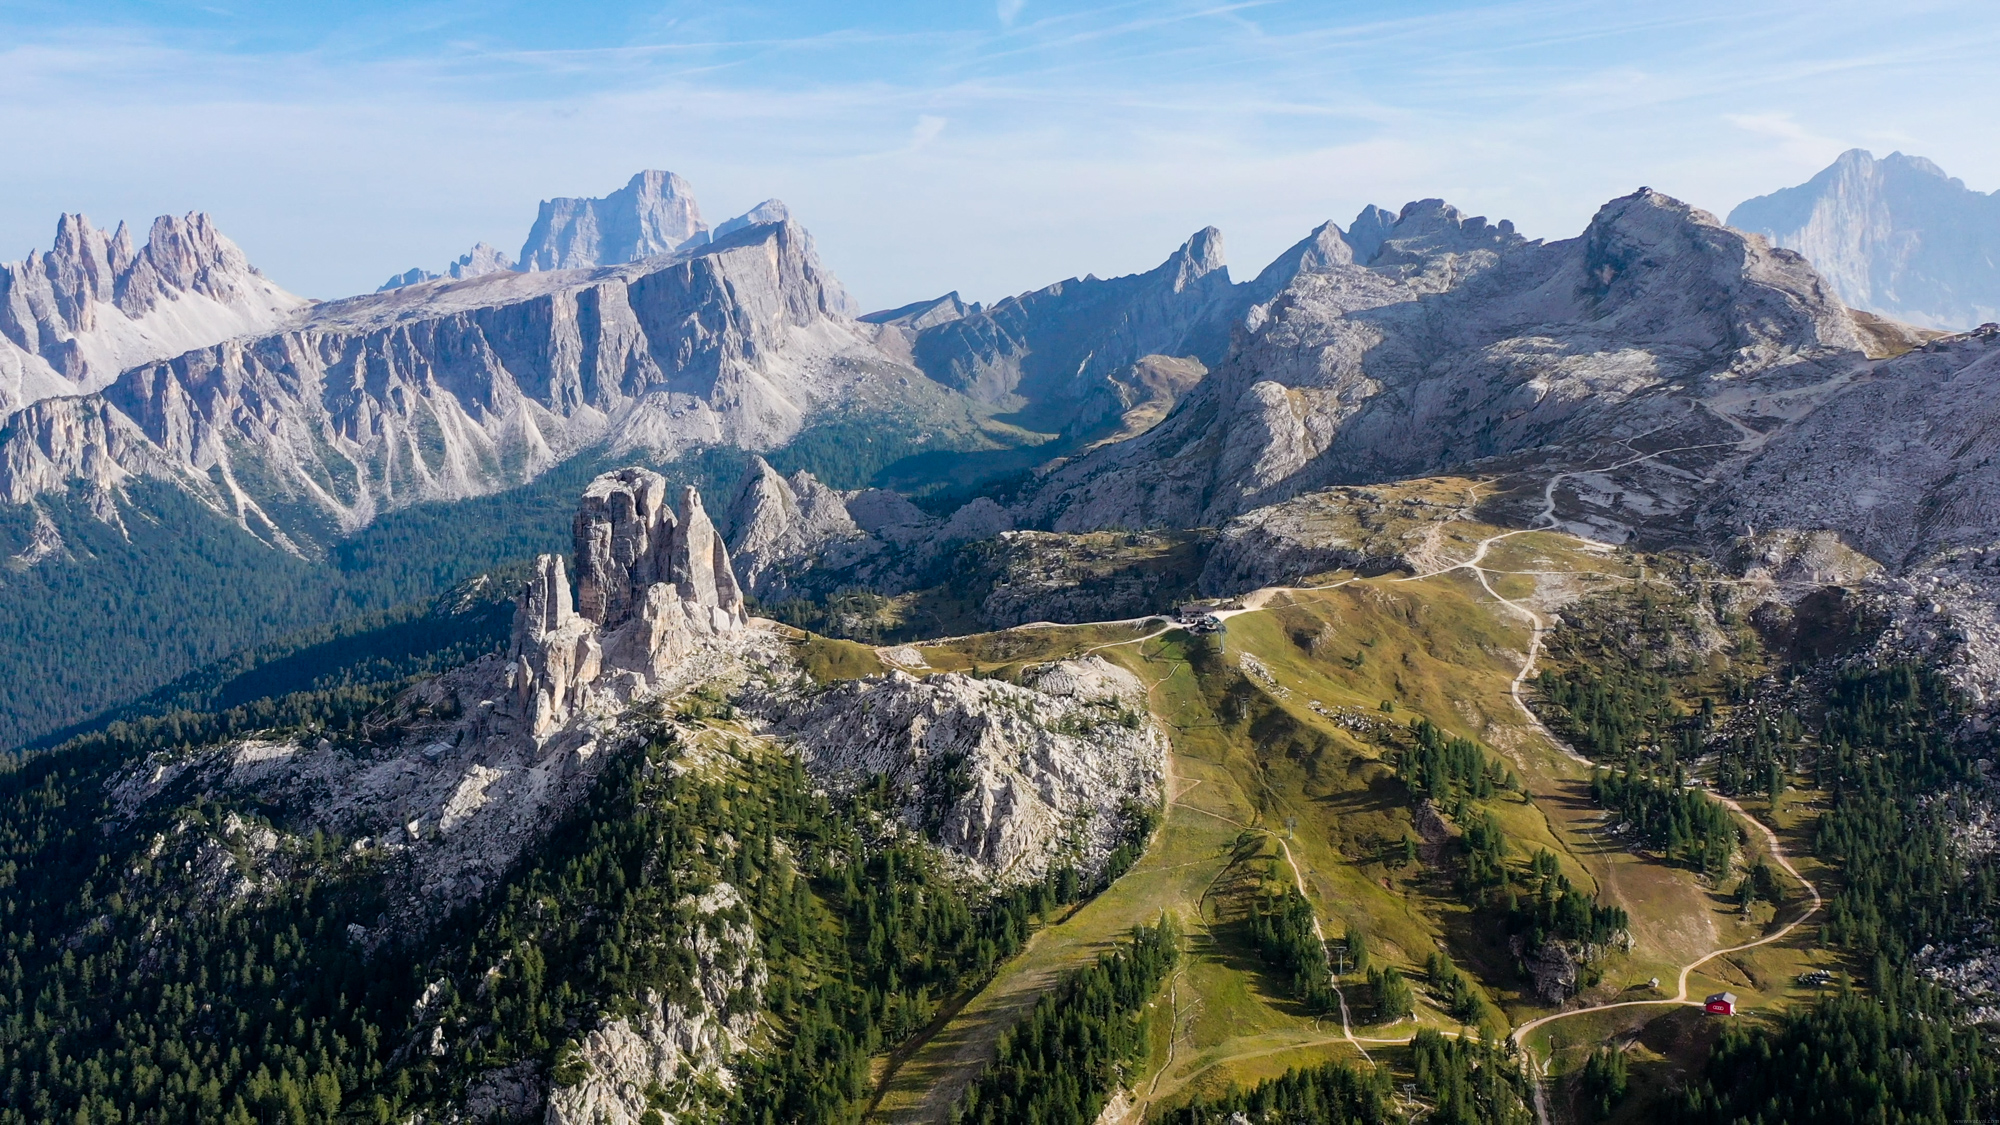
(988, 147)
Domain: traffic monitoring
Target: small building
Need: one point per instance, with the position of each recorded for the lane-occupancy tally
(1721, 1004)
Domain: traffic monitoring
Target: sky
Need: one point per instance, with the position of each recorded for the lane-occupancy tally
(987, 147)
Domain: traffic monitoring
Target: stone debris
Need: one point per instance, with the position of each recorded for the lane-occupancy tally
(1013, 779)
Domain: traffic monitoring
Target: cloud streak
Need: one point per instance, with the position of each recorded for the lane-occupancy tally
(988, 154)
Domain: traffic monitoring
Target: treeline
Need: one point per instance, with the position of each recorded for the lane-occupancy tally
(1898, 1051)
(1905, 882)
(1281, 926)
(1683, 823)
(1460, 1081)
(1332, 1094)
(1468, 1081)
(1537, 899)
(1449, 770)
(256, 1004)
(1061, 1064)
(1615, 708)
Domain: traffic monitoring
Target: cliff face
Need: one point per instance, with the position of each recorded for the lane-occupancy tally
(75, 316)
(480, 761)
(654, 213)
(1895, 236)
(1016, 780)
(445, 391)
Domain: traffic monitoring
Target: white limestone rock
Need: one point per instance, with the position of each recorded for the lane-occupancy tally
(445, 391)
(479, 261)
(1462, 341)
(468, 770)
(75, 316)
(1015, 780)
(654, 213)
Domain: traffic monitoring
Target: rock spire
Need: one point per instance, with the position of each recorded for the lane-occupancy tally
(653, 589)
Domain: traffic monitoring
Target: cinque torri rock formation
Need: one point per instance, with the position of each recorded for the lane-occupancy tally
(494, 752)
(73, 317)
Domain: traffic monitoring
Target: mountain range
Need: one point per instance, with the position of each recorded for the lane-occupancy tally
(628, 684)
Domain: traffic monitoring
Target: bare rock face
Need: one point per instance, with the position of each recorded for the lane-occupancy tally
(479, 261)
(780, 528)
(445, 391)
(1016, 780)
(654, 213)
(72, 318)
(1899, 462)
(472, 767)
(1049, 348)
(1461, 341)
(1896, 236)
(673, 1044)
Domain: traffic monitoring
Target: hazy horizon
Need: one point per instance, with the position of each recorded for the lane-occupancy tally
(988, 149)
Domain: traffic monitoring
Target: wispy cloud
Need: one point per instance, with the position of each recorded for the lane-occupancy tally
(954, 149)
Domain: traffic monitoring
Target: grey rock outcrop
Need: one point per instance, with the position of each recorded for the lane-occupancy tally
(780, 528)
(769, 211)
(1015, 780)
(1461, 342)
(72, 318)
(1900, 461)
(1045, 350)
(474, 766)
(654, 213)
(447, 391)
(479, 261)
(678, 1043)
(1896, 236)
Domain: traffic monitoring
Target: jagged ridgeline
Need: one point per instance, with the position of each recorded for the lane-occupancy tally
(617, 866)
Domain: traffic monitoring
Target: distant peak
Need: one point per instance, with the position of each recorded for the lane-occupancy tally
(769, 211)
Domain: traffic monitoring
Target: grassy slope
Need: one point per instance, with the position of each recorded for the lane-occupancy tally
(1438, 647)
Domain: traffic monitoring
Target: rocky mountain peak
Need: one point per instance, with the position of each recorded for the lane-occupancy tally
(1198, 257)
(72, 318)
(769, 211)
(1429, 227)
(479, 261)
(654, 213)
(1325, 248)
(628, 540)
(652, 590)
(1896, 236)
(1662, 269)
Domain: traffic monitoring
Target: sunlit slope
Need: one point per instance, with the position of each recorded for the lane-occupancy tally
(1285, 733)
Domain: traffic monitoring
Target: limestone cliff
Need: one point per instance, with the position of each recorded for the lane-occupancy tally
(1462, 341)
(441, 391)
(467, 770)
(1014, 779)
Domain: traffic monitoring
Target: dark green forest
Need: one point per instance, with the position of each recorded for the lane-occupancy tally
(259, 1007)
(1060, 1065)
(1281, 927)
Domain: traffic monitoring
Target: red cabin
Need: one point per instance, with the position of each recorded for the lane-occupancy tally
(1721, 1004)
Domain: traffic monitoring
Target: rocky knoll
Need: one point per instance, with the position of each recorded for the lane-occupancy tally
(1014, 779)
(1459, 341)
(795, 537)
(449, 390)
(468, 770)
(75, 316)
